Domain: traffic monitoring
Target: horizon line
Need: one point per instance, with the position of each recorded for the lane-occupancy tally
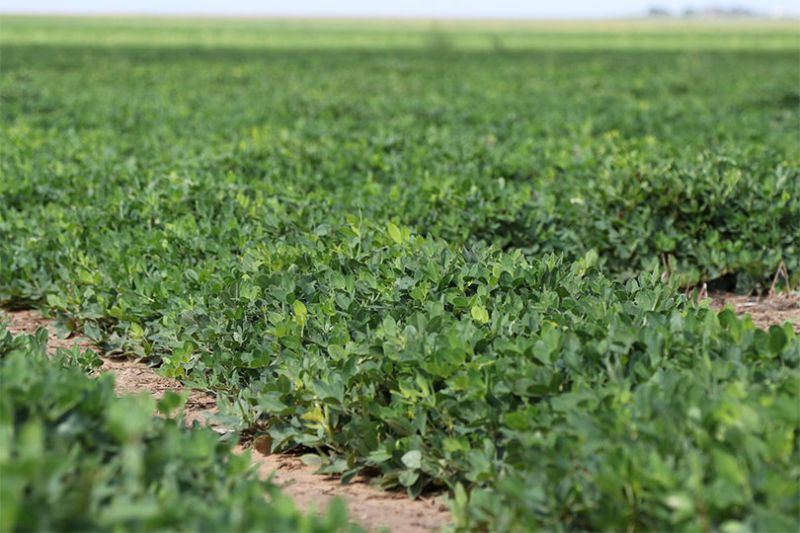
(401, 18)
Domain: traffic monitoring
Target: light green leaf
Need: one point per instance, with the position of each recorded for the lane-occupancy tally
(412, 459)
(480, 314)
(395, 234)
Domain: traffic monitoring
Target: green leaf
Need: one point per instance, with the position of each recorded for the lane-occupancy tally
(517, 421)
(300, 309)
(480, 314)
(777, 339)
(85, 277)
(314, 461)
(409, 477)
(412, 459)
(460, 495)
(349, 231)
(452, 445)
(300, 313)
(92, 331)
(171, 401)
(394, 233)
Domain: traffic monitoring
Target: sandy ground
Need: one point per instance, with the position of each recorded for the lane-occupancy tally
(370, 507)
(764, 310)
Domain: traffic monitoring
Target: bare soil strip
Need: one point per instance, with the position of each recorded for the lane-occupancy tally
(765, 310)
(369, 507)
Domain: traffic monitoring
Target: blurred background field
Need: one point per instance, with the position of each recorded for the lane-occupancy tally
(288, 33)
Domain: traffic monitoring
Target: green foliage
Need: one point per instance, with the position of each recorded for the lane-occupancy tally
(75, 457)
(563, 400)
(426, 261)
(134, 162)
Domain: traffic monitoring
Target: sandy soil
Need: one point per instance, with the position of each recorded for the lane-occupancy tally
(370, 507)
(764, 310)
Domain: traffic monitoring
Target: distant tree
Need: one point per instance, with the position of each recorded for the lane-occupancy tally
(718, 12)
(742, 12)
(658, 12)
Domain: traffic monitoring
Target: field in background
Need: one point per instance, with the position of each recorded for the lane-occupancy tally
(450, 256)
(756, 34)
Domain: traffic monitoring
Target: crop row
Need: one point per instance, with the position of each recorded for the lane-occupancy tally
(438, 268)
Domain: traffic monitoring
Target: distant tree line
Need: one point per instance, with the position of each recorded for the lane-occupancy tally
(709, 12)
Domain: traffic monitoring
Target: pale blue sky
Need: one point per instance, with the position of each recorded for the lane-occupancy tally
(403, 8)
